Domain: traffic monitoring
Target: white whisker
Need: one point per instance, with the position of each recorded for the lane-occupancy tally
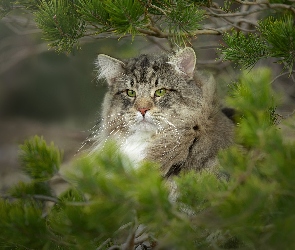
(177, 135)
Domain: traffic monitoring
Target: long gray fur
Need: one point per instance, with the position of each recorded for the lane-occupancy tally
(182, 130)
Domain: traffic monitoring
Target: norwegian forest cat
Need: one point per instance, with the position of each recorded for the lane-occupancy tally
(159, 108)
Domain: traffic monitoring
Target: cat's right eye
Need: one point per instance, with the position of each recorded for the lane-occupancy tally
(131, 93)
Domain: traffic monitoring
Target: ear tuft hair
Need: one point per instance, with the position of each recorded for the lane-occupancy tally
(109, 68)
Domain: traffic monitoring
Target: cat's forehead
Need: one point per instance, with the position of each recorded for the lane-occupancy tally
(146, 67)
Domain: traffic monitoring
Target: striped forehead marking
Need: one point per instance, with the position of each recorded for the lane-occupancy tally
(144, 68)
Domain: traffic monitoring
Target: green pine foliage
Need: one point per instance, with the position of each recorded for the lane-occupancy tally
(276, 39)
(280, 35)
(61, 23)
(183, 20)
(93, 13)
(22, 226)
(28, 190)
(65, 22)
(126, 16)
(247, 38)
(107, 198)
(39, 160)
(243, 49)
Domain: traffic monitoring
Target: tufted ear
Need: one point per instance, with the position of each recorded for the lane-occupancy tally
(109, 68)
(184, 61)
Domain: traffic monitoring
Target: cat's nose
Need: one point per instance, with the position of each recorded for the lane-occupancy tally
(143, 111)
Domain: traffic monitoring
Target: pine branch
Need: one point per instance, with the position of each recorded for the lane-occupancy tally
(269, 5)
(282, 74)
(244, 50)
(35, 196)
(61, 24)
(280, 34)
(40, 161)
(158, 33)
(235, 14)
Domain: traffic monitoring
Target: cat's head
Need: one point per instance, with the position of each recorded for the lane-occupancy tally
(151, 92)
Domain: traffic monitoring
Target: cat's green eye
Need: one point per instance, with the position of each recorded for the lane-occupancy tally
(160, 92)
(131, 93)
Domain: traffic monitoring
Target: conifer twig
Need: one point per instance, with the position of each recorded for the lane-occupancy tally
(269, 5)
(45, 198)
(35, 196)
(282, 74)
(157, 8)
(235, 14)
(161, 34)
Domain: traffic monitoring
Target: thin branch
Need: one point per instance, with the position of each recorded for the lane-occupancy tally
(206, 62)
(282, 74)
(157, 8)
(104, 244)
(249, 3)
(160, 34)
(236, 26)
(289, 115)
(151, 33)
(243, 20)
(35, 196)
(207, 32)
(281, 6)
(79, 203)
(269, 5)
(245, 13)
(152, 40)
(44, 198)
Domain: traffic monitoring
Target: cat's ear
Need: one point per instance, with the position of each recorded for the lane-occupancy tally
(184, 61)
(109, 68)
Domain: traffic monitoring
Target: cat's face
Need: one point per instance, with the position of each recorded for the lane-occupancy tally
(150, 93)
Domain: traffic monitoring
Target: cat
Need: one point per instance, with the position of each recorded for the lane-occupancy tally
(159, 108)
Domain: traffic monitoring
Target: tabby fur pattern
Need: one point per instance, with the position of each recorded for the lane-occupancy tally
(160, 108)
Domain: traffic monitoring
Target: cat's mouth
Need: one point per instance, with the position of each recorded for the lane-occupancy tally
(145, 124)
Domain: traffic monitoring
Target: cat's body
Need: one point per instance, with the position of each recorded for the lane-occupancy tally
(158, 108)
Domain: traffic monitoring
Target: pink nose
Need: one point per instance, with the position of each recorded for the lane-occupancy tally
(143, 110)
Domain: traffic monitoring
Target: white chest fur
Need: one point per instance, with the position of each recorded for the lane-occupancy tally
(135, 146)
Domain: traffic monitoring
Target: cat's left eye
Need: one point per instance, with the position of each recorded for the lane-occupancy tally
(160, 92)
(131, 93)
